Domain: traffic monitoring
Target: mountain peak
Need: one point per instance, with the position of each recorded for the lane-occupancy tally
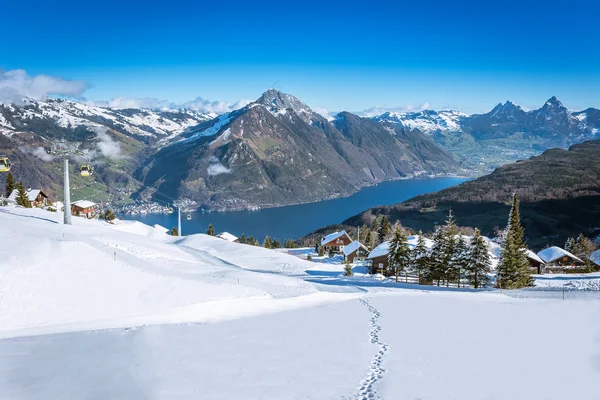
(277, 102)
(553, 102)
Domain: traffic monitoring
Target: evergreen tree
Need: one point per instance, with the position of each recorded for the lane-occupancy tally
(375, 229)
(513, 270)
(369, 240)
(250, 241)
(384, 229)
(399, 253)
(109, 215)
(570, 245)
(419, 257)
(436, 265)
(583, 247)
(211, 230)
(478, 262)
(22, 198)
(363, 233)
(451, 229)
(309, 258)
(268, 244)
(321, 251)
(243, 238)
(174, 231)
(276, 244)
(9, 184)
(459, 261)
(347, 268)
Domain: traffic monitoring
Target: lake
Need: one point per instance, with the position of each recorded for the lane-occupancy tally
(296, 221)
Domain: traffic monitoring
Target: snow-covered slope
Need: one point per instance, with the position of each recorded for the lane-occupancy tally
(427, 121)
(71, 114)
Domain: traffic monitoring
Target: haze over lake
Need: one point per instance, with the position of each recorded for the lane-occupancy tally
(298, 220)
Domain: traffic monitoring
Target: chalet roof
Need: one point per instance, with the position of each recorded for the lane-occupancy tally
(227, 236)
(32, 194)
(333, 236)
(382, 250)
(83, 203)
(352, 247)
(554, 253)
(530, 254)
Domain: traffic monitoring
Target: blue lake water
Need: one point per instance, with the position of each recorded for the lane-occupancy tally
(296, 221)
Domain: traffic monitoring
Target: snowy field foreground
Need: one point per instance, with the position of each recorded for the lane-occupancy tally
(96, 311)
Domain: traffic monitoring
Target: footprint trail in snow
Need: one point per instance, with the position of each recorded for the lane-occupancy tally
(367, 390)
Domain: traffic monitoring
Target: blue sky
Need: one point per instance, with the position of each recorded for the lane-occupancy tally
(336, 55)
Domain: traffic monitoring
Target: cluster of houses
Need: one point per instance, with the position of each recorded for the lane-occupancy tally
(552, 259)
(39, 199)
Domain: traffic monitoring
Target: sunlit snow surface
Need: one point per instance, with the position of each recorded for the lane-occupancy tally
(95, 311)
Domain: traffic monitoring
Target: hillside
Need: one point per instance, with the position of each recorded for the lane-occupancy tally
(559, 192)
(277, 151)
(162, 317)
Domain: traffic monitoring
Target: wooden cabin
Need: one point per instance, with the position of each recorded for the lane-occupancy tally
(379, 259)
(355, 251)
(535, 262)
(555, 256)
(36, 197)
(336, 241)
(84, 208)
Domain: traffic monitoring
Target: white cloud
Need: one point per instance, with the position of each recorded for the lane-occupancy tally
(107, 146)
(378, 110)
(38, 152)
(216, 168)
(16, 84)
(321, 111)
(198, 104)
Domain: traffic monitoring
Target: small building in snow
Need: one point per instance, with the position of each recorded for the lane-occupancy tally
(355, 251)
(555, 256)
(84, 208)
(36, 197)
(336, 241)
(535, 262)
(379, 258)
(228, 237)
(57, 206)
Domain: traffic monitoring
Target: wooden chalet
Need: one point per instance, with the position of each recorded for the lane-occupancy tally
(535, 262)
(84, 208)
(555, 256)
(379, 259)
(355, 251)
(36, 197)
(336, 241)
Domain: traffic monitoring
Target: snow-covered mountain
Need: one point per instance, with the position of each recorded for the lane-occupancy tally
(506, 133)
(28, 113)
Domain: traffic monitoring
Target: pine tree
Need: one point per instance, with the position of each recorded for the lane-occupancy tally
(570, 245)
(309, 258)
(243, 238)
(363, 233)
(9, 184)
(419, 261)
(321, 251)
(211, 230)
(109, 215)
(399, 253)
(459, 260)
(513, 270)
(384, 229)
(478, 262)
(375, 229)
(451, 229)
(583, 247)
(268, 244)
(317, 247)
(347, 268)
(174, 231)
(369, 240)
(22, 198)
(436, 270)
(276, 244)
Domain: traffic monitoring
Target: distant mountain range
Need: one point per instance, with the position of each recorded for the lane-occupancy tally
(505, 134)
(274, 151)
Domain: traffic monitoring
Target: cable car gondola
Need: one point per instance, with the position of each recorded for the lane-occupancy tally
(86, 170)
(189, 216)
(4, 164)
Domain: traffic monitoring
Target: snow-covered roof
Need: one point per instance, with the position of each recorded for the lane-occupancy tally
(414, 239)
(554, 253)
(83, 203)
(533, 256)
(381, 250)
(227, 236)
(32, 194)
(333, 236)
(352, 247)
(595, 257)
